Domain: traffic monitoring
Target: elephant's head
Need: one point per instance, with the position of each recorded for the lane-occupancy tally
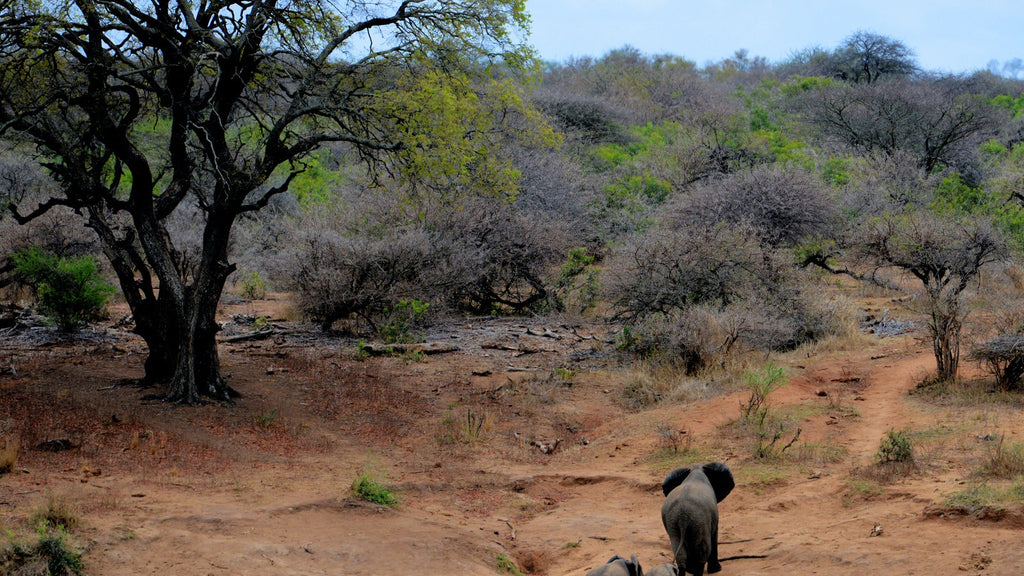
(618, 566)
(718, 475)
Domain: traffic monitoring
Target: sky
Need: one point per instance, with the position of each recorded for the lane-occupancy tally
(946, 35)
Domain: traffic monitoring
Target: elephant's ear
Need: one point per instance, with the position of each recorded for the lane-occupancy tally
(634, 567)
(674, 478)
(721, 479)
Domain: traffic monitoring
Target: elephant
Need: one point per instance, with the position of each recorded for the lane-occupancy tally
(666, 569)
(690, 514)
(618, 566)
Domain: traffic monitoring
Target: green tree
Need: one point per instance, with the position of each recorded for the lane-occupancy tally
(246, 90)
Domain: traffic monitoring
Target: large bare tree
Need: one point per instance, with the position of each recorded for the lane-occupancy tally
(141, 110)
(946, 255)
(935, 120)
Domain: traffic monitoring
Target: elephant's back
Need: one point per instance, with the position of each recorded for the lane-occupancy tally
(690, 499)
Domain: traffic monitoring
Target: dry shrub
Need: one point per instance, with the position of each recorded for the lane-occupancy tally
(56, 511)
(1003, 356)
(336, 275)
(481, 256)
(664, 271)
(793, 314)
(654, 384)
(469, 429)
(695, 295)
(783, 204)
(1005, 460)
(486, 257)
(690, 340)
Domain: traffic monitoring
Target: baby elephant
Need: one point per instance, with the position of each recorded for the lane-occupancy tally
(618, 566)
(690, 514)
(666, 569)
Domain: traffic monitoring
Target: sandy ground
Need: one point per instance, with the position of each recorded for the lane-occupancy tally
(463, 438)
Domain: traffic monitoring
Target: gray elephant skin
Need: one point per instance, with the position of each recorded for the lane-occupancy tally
(690, 514)
(618, 566)
(665, 569)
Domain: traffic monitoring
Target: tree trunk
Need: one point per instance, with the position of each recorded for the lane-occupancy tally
(945, 331)
(181, 332)
(155, 322)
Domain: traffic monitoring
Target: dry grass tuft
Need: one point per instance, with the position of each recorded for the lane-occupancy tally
(56, 511)
(8, 455)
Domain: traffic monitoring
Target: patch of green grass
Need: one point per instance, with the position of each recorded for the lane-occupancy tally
(412, 355)
(469, 430)
(794, 413)
(361, 351)
(264, 420)
(819, 453)
(566, 375)
(977, 498)
(757, 476)
(369, 486)
(860, 490)
(507, 565)
(666, 459)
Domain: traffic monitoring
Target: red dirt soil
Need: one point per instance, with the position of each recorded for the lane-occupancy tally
(463, 437)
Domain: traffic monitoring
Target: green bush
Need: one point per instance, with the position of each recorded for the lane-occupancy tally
(69, 290)
(50, 554)
(253, 287)
(761, 385)
(895, 447)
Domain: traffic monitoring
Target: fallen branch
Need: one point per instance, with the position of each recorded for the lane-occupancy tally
(424, 348)
(510, 527)
(258, 335)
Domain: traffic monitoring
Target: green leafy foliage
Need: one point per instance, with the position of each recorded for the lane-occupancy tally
(756, 414)
(69, 290)
(1015, 106)
(253, 287)
(642, 140)
(955, 197)
(761, 384)
(450, 139)
(402, 319)
(836, 171)
(50, 552)
(317, 183)
(578, 281)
